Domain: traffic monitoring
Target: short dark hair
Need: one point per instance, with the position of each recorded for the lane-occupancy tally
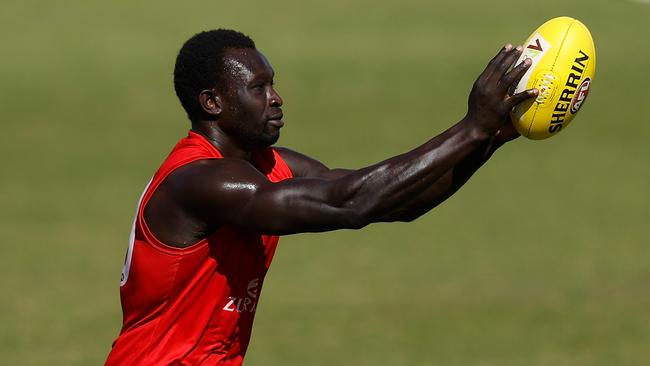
(199, 65)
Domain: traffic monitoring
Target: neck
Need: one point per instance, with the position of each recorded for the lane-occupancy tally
(226, 145)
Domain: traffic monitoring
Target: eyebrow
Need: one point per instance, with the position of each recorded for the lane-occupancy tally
(257, 77)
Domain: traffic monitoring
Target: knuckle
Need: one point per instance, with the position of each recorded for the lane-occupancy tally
(518, 98)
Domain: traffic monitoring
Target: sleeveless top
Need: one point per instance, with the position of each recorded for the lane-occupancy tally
(194, 305)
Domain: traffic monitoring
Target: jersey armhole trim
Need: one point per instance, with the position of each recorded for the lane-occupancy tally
(146, 231)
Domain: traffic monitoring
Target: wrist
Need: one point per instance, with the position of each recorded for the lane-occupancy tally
(506, 133)
(474, 130)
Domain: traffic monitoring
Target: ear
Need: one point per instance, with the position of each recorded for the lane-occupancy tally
(211, 102)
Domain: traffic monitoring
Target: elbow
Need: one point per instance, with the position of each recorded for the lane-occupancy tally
(408, 218)
(360, 212)
(357, 217)
(414, 213)
(358, 222)
(402, 216)
(406, 214)
(357, 209)
(412, 216)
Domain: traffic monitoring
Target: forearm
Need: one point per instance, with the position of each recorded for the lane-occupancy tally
(446, 186)
(382, 188)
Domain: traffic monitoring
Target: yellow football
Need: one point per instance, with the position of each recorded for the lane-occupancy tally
(563, 66)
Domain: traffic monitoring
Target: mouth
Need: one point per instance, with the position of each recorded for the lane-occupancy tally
(276, 120)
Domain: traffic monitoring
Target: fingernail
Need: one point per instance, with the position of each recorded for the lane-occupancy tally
(519, 48)
(507, 47)
(527, 61)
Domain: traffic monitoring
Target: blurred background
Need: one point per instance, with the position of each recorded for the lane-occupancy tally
(541, 259)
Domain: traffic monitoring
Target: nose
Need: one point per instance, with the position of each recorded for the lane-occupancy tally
(275, 100)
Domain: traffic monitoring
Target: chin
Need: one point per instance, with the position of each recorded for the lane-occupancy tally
(273, 139)
(266, 140)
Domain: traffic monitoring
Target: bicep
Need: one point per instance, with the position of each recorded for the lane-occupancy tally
(296, 205)
(237, 193)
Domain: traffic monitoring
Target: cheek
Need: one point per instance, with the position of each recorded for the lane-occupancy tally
(251, 104)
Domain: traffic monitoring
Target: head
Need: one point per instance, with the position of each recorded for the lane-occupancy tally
(220, 77)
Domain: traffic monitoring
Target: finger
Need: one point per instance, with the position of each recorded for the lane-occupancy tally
(506, 62)
(505, 49)
(489, 69)
(520, 97)
(512, 78)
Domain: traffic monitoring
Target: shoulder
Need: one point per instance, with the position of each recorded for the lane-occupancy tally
(202, 181)
(214, 172)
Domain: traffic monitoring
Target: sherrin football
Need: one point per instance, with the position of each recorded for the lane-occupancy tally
(563, 65)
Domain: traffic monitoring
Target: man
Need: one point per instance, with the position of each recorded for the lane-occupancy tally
(207, 224)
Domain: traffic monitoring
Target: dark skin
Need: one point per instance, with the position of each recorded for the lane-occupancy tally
(198, 198)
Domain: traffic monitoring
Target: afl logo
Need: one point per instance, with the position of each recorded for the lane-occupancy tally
(581, 95)
(253, 288)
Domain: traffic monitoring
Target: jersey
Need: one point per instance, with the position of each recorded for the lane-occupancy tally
(194, 305)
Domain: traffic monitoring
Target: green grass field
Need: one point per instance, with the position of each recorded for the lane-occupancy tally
(541, 259)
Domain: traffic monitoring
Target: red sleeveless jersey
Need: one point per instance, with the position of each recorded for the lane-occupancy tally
(192, 306)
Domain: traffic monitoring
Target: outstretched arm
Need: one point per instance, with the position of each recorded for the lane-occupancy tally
(233, 191)
(452, 180)
(438, 192)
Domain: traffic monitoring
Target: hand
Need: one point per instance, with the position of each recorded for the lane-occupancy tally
(507, 132)
(489, 102)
